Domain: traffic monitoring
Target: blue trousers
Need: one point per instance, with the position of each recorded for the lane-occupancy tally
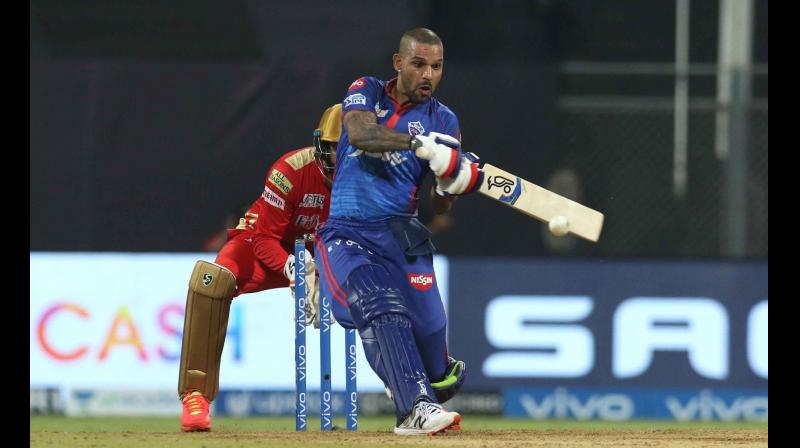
(343, 246)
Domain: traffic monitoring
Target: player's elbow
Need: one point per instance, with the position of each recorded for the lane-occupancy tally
(361, 129)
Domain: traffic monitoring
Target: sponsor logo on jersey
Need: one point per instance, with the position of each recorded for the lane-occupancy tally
(272, 198)
(422, 282)
(313, 201)
(354, 99)
(357, 84)
(415, 128)
(307, 222)
(394, 158)
(380, 112)
(279, 180)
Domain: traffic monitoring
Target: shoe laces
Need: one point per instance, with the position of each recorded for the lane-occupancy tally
(428, 408)
(194, 403)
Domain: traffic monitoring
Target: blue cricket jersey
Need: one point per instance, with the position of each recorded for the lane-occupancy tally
(379, 186)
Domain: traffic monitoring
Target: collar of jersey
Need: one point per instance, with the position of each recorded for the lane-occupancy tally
(398, 108)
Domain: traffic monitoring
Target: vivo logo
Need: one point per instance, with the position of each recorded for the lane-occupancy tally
(352, 414)
(301, 411)
(561, 404)
(300, 362)
(707, 406)
(541, 336)
(351, 362)
(325, 410)
(325, 318)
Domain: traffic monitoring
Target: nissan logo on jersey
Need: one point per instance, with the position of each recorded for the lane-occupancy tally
(422, 282)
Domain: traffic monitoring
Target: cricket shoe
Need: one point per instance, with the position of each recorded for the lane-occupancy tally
(455, 427)
(428, 419)
(195, 413)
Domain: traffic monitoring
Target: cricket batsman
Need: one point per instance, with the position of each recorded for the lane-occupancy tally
(258, 255)
(375, 257)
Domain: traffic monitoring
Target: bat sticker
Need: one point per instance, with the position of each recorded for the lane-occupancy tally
(510, 199)
(501, 182)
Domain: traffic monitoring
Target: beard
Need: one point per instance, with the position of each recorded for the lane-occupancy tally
(414, 94)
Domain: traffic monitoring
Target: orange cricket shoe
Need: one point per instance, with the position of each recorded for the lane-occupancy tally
(195, 413)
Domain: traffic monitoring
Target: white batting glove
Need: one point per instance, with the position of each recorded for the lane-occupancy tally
(441, 150)
(468, 179)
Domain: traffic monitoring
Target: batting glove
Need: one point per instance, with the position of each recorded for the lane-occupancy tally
(468, 179)
(442, 151)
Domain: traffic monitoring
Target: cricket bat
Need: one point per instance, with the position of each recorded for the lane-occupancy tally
(540, 203)
(535, 201)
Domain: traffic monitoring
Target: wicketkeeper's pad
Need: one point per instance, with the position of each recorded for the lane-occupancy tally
(208, 303)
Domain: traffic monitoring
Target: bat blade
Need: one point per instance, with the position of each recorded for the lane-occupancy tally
(540, 203)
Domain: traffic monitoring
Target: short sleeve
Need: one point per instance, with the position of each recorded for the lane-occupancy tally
(362, 94)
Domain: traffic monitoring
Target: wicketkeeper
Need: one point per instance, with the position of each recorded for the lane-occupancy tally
(258, 255)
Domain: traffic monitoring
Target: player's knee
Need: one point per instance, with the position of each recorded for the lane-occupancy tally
(212, 280)
(371, 294)
(230, 263)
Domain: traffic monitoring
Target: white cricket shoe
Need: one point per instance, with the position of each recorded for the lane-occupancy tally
(428, 418)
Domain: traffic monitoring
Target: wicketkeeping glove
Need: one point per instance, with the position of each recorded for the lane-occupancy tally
(312, 287)
(248, 222)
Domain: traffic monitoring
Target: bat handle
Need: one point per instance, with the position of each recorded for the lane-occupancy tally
(424, 153)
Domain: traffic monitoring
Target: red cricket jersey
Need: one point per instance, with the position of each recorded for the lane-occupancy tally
(295, 201)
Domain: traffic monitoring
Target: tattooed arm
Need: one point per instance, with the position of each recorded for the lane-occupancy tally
(367, 135)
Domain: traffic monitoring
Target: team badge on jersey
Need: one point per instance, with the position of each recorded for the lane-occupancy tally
(415, 128)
